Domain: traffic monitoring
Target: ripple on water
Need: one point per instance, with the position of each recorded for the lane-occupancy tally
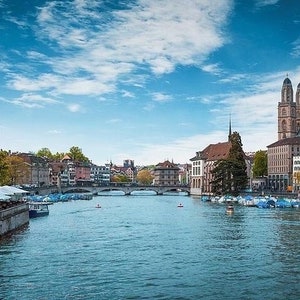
(146, 248)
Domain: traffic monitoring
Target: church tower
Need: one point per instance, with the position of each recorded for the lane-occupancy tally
(298, 109)
(287, 119)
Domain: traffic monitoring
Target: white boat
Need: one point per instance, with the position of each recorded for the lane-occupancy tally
(38, 209)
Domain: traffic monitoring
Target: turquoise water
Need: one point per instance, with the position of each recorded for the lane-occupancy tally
(145, 247)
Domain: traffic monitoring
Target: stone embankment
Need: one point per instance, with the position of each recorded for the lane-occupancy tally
(13, 216)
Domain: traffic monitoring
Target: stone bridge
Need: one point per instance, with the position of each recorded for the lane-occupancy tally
(126, 189)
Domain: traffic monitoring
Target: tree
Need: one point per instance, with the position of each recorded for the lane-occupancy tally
(260, 164)
(144, 177)
(76, 154)
(45, 152)
(4, 174)
(221, 183)
(58, 156)
(230, 174)
(120, 178)
(18, 170)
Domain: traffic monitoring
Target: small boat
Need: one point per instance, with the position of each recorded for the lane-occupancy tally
(180, 205)
(230, 209)
(38, 209)
(98, 206)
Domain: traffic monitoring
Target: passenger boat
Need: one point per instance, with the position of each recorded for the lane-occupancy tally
(38, 209)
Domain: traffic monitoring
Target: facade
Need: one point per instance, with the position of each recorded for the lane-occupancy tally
(128, 169)
(100, 174)
(203, 164)
(184, 173)
(38, 173)
(82, 172)
(280, 163)
(166, 173)
(281, 153)
(296, 174)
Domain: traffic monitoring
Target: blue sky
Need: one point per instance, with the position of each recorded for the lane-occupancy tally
(143, 80)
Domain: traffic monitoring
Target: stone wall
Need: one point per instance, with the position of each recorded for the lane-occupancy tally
(13, 217)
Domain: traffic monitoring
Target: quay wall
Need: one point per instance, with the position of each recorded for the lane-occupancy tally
(13, 218)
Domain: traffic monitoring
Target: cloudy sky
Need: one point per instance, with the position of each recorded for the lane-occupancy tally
(143, 80)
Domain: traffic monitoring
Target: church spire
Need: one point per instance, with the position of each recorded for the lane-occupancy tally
(229, 129)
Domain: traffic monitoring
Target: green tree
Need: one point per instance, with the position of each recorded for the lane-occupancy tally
(230, 174)
(144, 177)
(120, 178)
(260, 164)
(58, 156)
(76, 154)
(45, 152)
(4, 169)
(17, 170)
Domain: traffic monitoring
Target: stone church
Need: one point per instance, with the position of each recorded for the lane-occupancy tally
(282, 153)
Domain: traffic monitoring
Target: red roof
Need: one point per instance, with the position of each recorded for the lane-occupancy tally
(216, 151)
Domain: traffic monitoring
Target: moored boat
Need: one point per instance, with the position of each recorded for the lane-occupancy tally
(38, 209)
(230, 209)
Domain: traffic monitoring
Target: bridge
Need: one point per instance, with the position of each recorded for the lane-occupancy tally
(127, 189)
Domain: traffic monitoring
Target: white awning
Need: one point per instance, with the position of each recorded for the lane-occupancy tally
(4, 197)
(11, 190)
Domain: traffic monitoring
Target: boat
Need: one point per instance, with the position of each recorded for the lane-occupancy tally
(229, 209)
(38, 209)
(180, 205)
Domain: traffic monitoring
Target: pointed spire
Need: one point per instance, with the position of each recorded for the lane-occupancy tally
(229, 131)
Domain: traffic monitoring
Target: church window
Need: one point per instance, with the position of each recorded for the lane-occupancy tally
(283, 112)
(283, 125)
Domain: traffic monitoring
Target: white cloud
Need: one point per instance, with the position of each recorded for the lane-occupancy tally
(180, 151)
(96, 50)
(261, 3)
(74, 108)
(30, 100)
(212, 68)
(54, 132)
(161, 97)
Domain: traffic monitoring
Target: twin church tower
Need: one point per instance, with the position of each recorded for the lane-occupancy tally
(289, 111)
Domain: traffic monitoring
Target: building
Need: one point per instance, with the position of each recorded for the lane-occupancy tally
(281, 153)
(203, 164)
(296, 174)
(128, 170)
(184, 173)
(100, 174)
(82, 173)
(280, 163)
(166, 173)
(38, 173)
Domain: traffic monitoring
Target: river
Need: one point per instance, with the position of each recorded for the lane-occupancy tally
(145, 247)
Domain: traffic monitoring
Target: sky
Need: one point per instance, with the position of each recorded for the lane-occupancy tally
(144, 80)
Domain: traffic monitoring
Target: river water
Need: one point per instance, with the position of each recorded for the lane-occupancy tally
(145, 247)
